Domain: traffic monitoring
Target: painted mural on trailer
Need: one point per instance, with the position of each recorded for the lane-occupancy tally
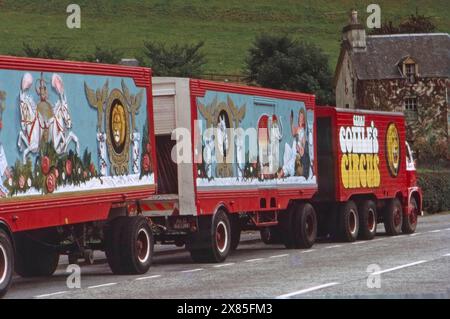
(282, 142)
(69, 132)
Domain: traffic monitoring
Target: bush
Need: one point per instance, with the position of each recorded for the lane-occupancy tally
(436, 190)
(45, 51)
(184, 60)
(105, 55)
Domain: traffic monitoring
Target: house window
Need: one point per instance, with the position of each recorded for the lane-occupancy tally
(410, 106)
(410, 72)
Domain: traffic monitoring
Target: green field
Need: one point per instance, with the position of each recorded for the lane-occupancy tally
(227, 26)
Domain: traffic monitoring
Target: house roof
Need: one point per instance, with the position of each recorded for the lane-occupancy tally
(431, 51)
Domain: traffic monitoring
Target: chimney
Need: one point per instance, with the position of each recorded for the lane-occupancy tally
(354, 34)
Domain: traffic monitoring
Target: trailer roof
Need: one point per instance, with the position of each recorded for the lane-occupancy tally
(141, 75)
(362, 111)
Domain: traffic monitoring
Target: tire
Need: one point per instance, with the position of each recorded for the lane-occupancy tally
(286, 219)
(393, 217)
(367, 220)
(129, 245)
(6, 262)
(410, 222)
(271, 235)
(112, 243)
(35, 258)
(136, 245)
(304, 226)
(219, 242)
(235, 233)
(348, 222)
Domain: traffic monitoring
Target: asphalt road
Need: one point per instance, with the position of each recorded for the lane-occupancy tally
(406, 266)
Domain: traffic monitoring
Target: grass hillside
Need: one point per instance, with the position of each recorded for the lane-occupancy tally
(227, 27)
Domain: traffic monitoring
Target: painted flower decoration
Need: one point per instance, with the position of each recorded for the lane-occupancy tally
(45, 165)
(51, 183)
(69, 167)
(21, 181)
(92, 169)
(146, 163)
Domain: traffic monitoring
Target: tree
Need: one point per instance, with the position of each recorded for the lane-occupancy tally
(184, 60)
(105, 55)
(414, 23)
(280, 62)
(46, 51)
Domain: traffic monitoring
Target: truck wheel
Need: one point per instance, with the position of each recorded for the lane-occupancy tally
(219, 243)
(235, 233)
(286, 220)
(6, 262)
(35, 258)
(112, 244)
(271, 235)
(137, 245)
(367, 219)
(393, 217)
(410, 222)
(304, 226)
(348, 222)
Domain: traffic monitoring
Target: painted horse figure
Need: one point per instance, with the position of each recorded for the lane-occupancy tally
(31, 123)
(62, 122)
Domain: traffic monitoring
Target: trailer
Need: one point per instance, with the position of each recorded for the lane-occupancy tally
(76, 148)
(243, 158)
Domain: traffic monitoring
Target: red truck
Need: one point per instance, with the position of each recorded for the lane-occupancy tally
(100, 157)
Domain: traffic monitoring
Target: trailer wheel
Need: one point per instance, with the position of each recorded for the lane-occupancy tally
(348, 222)
(304, 226)
(410, 222)
(218, 246)
(137, 245)
(393, 217)
(367, 219)
(271, 235)
(286, 220)
(235, 233)
(6, 262)
(35, 258)
(112, 244)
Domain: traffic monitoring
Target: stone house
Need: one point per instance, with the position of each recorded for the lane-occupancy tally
(402, 72)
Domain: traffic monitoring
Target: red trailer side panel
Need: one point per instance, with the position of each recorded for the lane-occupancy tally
(248, 185)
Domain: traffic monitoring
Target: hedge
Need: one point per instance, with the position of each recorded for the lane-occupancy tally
(436, 190)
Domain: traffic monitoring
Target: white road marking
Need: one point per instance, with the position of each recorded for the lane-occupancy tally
(447, 229)
(192, 270)
(414, 234)
(360, 242)
(399, 267)
(223, 265)
(435, 231)
(279, 256)
(148, 277)
(308, 251)
(103, 285)
(304, 291)
(446, 255)
(253, 260)
(334, 246)
(378, 239)
(51, 294)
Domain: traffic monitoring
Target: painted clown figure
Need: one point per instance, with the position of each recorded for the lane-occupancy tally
(296, 157)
